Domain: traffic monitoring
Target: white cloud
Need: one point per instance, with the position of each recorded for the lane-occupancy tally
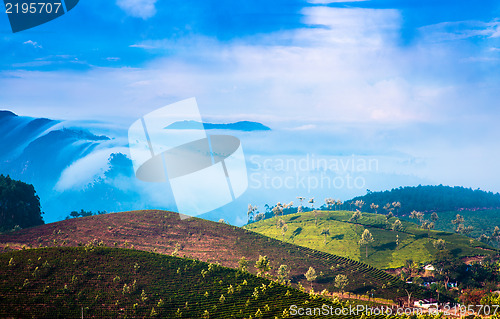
(333, 1)
(138, 8)
(33, 43)
(458, 30)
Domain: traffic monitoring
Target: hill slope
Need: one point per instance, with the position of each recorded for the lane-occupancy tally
(414, 243)
(208, 241)
(119, 283)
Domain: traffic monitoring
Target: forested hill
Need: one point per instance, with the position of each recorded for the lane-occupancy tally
(430, 198)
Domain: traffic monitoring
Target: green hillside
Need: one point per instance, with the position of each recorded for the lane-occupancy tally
(343, 237)
(123, 283)
(164, 232)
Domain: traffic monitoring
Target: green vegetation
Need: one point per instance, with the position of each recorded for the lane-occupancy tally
(394, 242)
(19, 205)
(164, 232)
(430, 198)
(105, 282)
(481, 221)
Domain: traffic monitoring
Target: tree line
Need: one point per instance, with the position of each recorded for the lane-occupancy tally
(432, 198)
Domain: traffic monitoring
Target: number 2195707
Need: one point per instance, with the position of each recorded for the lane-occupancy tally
(32, 8)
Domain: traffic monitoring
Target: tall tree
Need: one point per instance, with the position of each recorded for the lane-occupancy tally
(366, 239)
(329, 203)
(359, 204)
(251, 212)
(311, 275)
(300, 208)
(397, 206)
(355, 216)
(325, 232)
(284, 229)
(374, 207)
(277, 210)
(397, 225)
(283, 272)
(341, 281)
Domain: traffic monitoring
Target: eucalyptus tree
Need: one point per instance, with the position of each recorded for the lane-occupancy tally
(325, 232)
(300, 208)
(366, 239)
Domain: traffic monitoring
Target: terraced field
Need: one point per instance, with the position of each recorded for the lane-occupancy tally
(164, 232)
(389, 250)
(101, 282)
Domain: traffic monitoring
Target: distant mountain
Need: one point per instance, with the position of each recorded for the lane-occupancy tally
(430, 199)
(73, 166)
(41, 152)
(246, 126)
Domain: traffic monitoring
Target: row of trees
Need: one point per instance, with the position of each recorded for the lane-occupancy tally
(84, 213)
(280, 209)
(263, 266)
(432, 198)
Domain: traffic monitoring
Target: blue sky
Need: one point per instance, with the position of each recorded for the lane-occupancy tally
(418, 78)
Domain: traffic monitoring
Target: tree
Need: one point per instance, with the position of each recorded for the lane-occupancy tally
(355, 216)
(243, 264)
(283, 272)
(277, 210)
(311, 201)
(374, 207)
(329, 203)
(311, 275)
(359, 203)
(397, 225)
(420, 217)
(338, 203)
(496, 234)
(397, 206)
(389, 216)
(387, 207)
(262, 265)
(341, 281)
(483, 238)
(19, 205)
(434, 217)
(465, 230)
(300, 208)
(284, 229)
(325, 232)
(439, 244)
(447, 265)
(366, 239)
(251, 212)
